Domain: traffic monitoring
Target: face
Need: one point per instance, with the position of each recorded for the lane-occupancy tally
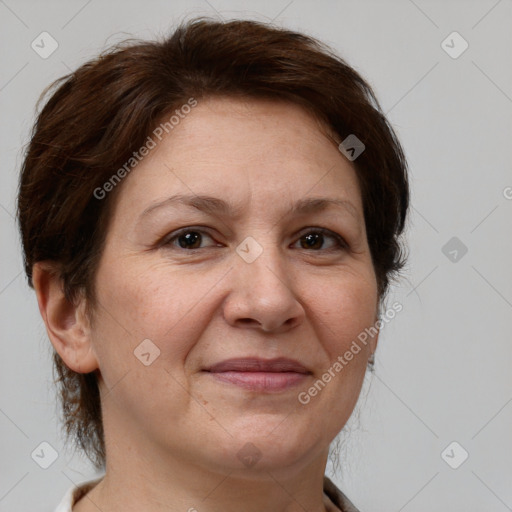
(245, 301)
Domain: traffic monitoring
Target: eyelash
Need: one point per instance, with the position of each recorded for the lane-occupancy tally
(341, 245)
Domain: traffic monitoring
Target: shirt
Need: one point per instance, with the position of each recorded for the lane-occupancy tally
(337, 500)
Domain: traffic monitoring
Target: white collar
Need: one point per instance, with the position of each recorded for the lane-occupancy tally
(73, 494)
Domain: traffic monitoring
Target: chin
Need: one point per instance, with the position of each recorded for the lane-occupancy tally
(263, 445)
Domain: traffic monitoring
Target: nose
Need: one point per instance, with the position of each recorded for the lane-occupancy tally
(263, 295)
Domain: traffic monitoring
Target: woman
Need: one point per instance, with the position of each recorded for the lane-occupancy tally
(210, 223)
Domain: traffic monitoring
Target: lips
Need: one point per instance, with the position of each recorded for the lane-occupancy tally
(263, 375)
(253, 364)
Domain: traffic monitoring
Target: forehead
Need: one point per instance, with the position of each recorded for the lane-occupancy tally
(247, 151)
(250, 127)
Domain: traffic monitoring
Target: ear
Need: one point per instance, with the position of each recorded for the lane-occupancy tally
(67, 324)
(374, 340)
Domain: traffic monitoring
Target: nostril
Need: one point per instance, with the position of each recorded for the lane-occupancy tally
(247, 320)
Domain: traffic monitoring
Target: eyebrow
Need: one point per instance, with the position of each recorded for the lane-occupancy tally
(218, 207)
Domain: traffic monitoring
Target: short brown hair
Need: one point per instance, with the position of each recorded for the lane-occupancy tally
(99, 114)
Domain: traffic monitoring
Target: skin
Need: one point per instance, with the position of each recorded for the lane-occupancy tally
(173, 431)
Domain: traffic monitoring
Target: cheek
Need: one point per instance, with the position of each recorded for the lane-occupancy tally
(167, 306)
(155, 304)
(349, 310)
(349, 307)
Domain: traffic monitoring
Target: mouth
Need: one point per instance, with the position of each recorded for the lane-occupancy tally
(264, 375)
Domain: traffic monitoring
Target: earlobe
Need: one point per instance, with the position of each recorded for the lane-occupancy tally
(375, 341)
(375, 338)
(67, 324)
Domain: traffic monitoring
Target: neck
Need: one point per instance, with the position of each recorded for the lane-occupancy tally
(145, 479)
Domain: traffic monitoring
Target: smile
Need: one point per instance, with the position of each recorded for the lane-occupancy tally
(262, 375)
(262, 381)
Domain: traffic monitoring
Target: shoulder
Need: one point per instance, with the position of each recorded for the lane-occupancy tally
(337, 497)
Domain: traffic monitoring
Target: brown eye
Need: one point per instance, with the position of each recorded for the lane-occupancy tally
(188, 238)
(314, 240)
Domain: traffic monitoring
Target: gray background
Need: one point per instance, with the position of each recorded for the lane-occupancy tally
(443, 364)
